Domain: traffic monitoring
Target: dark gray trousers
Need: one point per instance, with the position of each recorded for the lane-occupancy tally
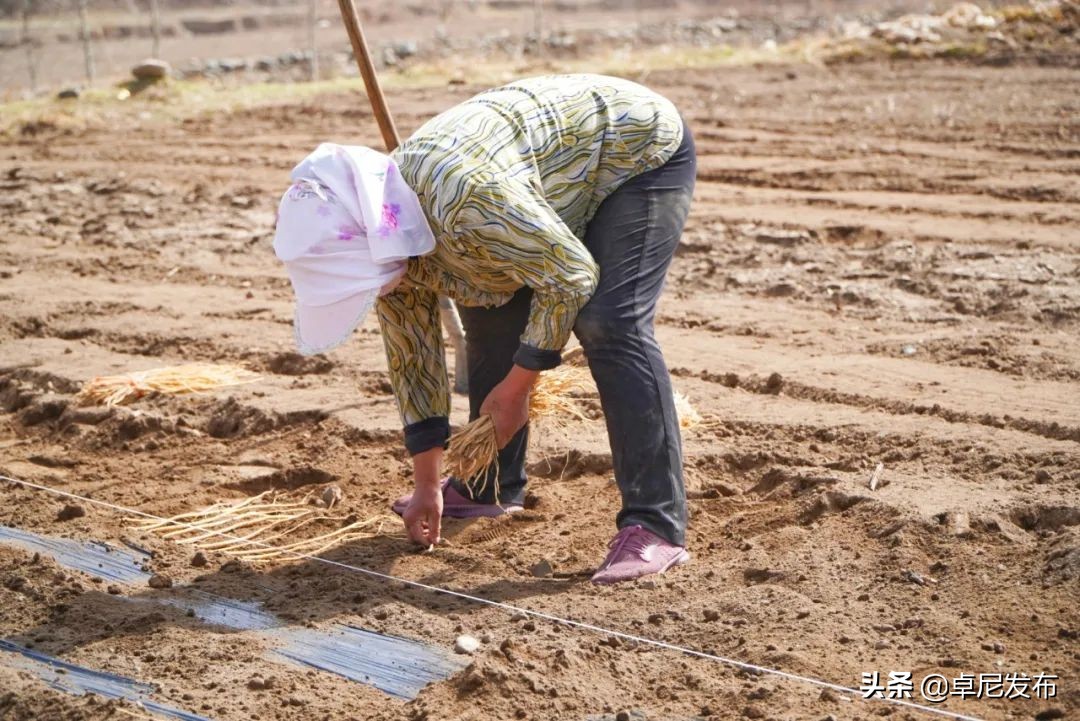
(632, 237)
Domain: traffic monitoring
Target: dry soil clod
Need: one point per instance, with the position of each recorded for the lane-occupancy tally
(70, 511)
(159, 580)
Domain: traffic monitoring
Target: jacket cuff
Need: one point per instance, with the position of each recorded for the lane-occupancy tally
(427, 434)
(536, 359)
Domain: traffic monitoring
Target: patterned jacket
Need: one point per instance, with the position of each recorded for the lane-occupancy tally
(509, 181)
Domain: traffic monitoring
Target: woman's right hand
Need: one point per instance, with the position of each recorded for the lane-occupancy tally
(423, 516)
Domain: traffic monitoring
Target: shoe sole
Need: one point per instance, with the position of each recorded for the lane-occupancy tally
(679, 560)
(460, 512)
(488, 512)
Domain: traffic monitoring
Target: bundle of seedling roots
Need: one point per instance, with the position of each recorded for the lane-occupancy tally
(472, 455)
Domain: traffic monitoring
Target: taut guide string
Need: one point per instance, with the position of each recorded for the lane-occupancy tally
(581, 625)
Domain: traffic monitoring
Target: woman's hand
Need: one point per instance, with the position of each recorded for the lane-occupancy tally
(508, 403)
(423, 517)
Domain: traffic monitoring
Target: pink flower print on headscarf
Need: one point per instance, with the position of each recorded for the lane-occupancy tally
(390, 213)
(349, 232)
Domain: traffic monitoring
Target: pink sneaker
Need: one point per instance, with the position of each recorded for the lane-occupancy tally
(637, 552)
(456, 505)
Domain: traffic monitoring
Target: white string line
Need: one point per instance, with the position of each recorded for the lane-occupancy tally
(514, 609)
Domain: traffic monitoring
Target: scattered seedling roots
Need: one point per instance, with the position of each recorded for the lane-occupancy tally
(244, 529)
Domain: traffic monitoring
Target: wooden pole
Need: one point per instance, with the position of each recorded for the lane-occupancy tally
(351, 17)
(84, 31)
(155, 29)
(538, 25)
(28, 43)
(448, 312)
(313, 25)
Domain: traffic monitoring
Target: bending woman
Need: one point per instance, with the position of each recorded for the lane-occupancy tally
(548, 206)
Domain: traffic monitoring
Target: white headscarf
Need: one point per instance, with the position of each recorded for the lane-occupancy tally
(346, 228)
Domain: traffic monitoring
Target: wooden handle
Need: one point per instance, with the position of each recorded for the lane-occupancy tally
(351, 17)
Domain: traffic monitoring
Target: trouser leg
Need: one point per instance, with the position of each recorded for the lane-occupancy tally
(633, 237)
(492, 336)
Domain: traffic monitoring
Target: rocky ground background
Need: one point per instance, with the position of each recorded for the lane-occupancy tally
(43, 51)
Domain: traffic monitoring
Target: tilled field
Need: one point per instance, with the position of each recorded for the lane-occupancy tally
(882, 267)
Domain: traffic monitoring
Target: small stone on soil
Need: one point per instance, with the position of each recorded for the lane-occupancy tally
(151, 69)
(774, 383)
(541, 569)
(113, 590)
(332, 496)
(258, 683)
(1054, 712)
(466, 644)
(199, 559)
(914, 577)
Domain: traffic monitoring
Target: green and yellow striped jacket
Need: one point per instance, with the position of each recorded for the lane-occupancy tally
(509, 180)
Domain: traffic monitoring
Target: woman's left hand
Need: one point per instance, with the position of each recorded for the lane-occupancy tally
(508, 403)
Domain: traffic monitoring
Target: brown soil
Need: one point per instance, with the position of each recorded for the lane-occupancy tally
(882, 266)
